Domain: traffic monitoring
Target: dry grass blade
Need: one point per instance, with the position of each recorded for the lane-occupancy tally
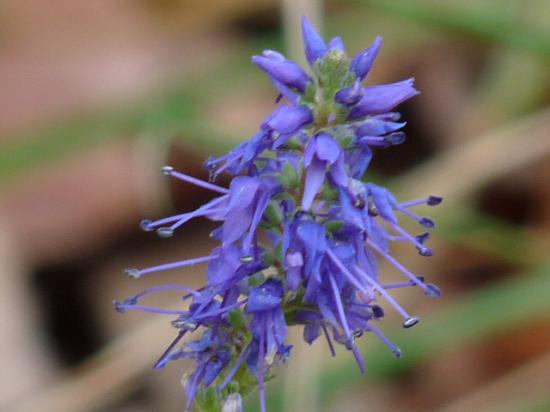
(106, 377)
(461, 170)
(527, 385)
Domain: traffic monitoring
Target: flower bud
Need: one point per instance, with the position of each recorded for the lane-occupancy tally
(363, 61)
(315, 47)
(285, 71)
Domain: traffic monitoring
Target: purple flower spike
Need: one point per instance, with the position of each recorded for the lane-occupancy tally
(315, 46)
(300, 232)
(284, 71)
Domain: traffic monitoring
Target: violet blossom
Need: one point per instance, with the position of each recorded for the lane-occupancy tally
(301, 233)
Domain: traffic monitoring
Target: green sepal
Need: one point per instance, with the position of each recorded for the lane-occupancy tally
(289, 177)
(208, 400)
(334, 226)
(334, 73)
(274, 213)
(238, 321)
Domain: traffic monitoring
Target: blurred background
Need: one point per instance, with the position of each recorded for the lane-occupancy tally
(97, 96)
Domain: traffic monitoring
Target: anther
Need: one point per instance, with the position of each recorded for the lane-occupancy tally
(373, 210)
(425, 251)
(119, 307)
(397, 352)
(360, 202)
(422, 237)
(410, 322)
(133, 273)
(167, 170)
(433, 291)
(145, 225)
(165, 232)
(377, 311)
(426, 222)
(434, 200)
(186, 324)
(246, 259)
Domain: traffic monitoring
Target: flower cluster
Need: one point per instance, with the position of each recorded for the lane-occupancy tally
(301, 232)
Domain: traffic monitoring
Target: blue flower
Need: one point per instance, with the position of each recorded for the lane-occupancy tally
(321, 153)
(300, 233)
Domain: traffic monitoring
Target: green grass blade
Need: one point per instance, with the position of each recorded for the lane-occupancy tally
(491, 25)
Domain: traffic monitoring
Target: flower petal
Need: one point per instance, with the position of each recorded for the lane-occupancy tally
(383, 98)
(363, 61)
(315, 177)
(315, 46)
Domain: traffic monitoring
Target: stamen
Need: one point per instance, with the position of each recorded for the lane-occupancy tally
(425, 251)
(382, 291)
(123, 307)
(119, 306)
(329, 341)
(394, 238)
(261, 382)
(162, 361)
(168, 231)
(434, 200)
(433, 291)
(194, 214)
(423, 237)
(377, 311)
(165, 232)
(341, 314)
(395, 263)
(367, 279)
(137, 273)
(430, 201)
(235, 369)
(373, 210)
(145, 225)
(133, 273)
(203, 210)
(359, 359)
(396, 351)
(185, 324)
(422, 250)
(166, 288)
(166, 170)
(424, 221)
(169, 171)
(220, 311)
(149, 225)
(399, 285)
